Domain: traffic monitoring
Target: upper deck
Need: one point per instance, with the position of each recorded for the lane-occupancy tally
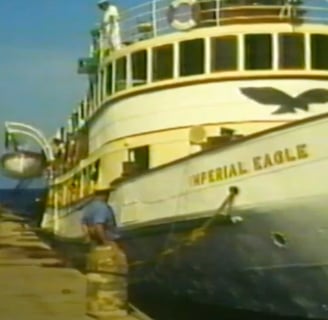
(152, 22)
(161, 17)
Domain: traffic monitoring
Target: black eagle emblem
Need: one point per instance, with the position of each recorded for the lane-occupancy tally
(287, 103)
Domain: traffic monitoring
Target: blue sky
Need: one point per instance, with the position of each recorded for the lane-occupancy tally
(40, 43)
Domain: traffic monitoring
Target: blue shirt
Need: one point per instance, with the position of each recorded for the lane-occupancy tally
(99, 212)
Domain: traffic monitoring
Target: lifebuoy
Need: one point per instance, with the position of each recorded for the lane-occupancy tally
(182, 25)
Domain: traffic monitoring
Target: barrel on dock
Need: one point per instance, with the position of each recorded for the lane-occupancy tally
(107, 282)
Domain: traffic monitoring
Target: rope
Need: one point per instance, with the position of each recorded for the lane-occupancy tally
(196, 234)
(172, 227)
(226, 207)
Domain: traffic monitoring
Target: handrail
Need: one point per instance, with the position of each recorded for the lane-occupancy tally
(156, 14)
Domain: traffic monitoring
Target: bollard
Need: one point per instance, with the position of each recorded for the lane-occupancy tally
(107, 294)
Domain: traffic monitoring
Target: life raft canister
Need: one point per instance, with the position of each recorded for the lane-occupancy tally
(183, 25)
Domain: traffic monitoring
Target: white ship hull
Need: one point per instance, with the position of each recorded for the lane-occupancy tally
(274, 260)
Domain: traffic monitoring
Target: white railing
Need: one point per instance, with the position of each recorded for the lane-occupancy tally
(151, 19)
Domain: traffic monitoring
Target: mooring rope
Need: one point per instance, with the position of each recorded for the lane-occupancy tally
(224, 210)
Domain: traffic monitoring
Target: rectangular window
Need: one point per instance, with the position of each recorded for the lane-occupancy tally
(92, 94)
(82, 145)
(98, 89)
(90, 100)
(163, 62)
(120, 74)
(139, 68)
(291, 51)
(258, 51)
(82, 110)
(89, 108)
(319, 49)
(75, 120)
(224, 53)
(140, 156)
(109, 79)
(101, 85)
(94, 174)
(86, 181)
(192, 57)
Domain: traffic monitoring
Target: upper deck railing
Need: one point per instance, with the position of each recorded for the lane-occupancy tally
(160, 17)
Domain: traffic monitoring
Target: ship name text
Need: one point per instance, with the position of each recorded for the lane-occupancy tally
(257, 163)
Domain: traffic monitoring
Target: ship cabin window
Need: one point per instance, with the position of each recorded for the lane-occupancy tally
(140, 157)
(82, 111)
(85, 181)
(258, 51)
(109, 79)
(120, 74)
(60, 196)
(139, 68)
(319, 49)
(94, 173)
(89, 102)
(192, 57)
(97, 93)
(86, 108)
(92, 97)
(89, 108)
(224, 53)
(82, 144)
(75, 120)
(101, 85)
(163, 62)
(291, 51)
(76, 186)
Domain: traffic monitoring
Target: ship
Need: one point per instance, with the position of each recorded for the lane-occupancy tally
(209, 119)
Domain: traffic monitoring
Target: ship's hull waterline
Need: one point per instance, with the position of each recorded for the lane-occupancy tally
(273, 260)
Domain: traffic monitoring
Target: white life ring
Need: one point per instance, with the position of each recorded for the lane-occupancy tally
(175, 23)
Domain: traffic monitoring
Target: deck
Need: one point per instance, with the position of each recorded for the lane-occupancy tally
(36, 283)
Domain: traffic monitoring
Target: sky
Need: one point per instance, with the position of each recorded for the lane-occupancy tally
(40, 43)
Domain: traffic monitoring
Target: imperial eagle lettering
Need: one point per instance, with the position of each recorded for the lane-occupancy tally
(280, 157)
(257, 163)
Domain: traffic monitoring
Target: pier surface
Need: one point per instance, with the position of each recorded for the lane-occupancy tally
(35, 282)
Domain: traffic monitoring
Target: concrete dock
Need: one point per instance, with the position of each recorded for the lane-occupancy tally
(35, 282)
